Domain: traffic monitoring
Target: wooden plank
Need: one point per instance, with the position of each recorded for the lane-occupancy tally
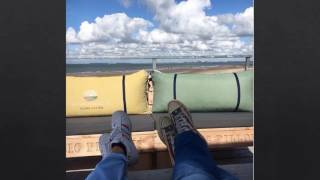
(147, 160)
(149, 141)
(243, 171)
(221, 156)
(161, 159)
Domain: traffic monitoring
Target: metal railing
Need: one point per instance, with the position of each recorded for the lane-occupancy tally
(246, 64)
(158, 62)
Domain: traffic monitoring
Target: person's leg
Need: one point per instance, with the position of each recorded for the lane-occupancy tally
(113, 167)
(117, 149)
(192, 156)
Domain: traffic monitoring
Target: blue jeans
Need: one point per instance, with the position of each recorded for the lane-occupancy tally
(192, 161)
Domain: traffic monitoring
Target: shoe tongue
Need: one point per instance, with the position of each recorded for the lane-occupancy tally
(115, 140)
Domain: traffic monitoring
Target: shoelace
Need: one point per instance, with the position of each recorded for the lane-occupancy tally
(182, 123)
(120, 131)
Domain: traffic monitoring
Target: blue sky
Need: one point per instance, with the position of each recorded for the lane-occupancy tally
(235, 15)
(87, 10)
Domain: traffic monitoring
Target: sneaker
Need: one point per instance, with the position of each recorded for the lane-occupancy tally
(181, 117)
(167, 132)
(121, 133)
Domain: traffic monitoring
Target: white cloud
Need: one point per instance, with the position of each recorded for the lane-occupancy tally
(158, 36)
(241, 23)
(71, 36)
(187, 17)
(184, 29)
(110, 28)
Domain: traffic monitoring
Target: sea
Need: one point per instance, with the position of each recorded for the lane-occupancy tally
(79, 66)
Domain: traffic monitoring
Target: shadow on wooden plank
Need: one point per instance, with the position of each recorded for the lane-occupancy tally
(244, 171)
(160, 159)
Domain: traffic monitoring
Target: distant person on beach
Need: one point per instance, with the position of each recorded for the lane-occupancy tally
(188, 150)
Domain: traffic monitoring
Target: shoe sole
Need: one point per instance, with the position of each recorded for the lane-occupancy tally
(163, 128)
(103, 139)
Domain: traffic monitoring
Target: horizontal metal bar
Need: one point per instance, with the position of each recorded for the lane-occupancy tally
(166, 57)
